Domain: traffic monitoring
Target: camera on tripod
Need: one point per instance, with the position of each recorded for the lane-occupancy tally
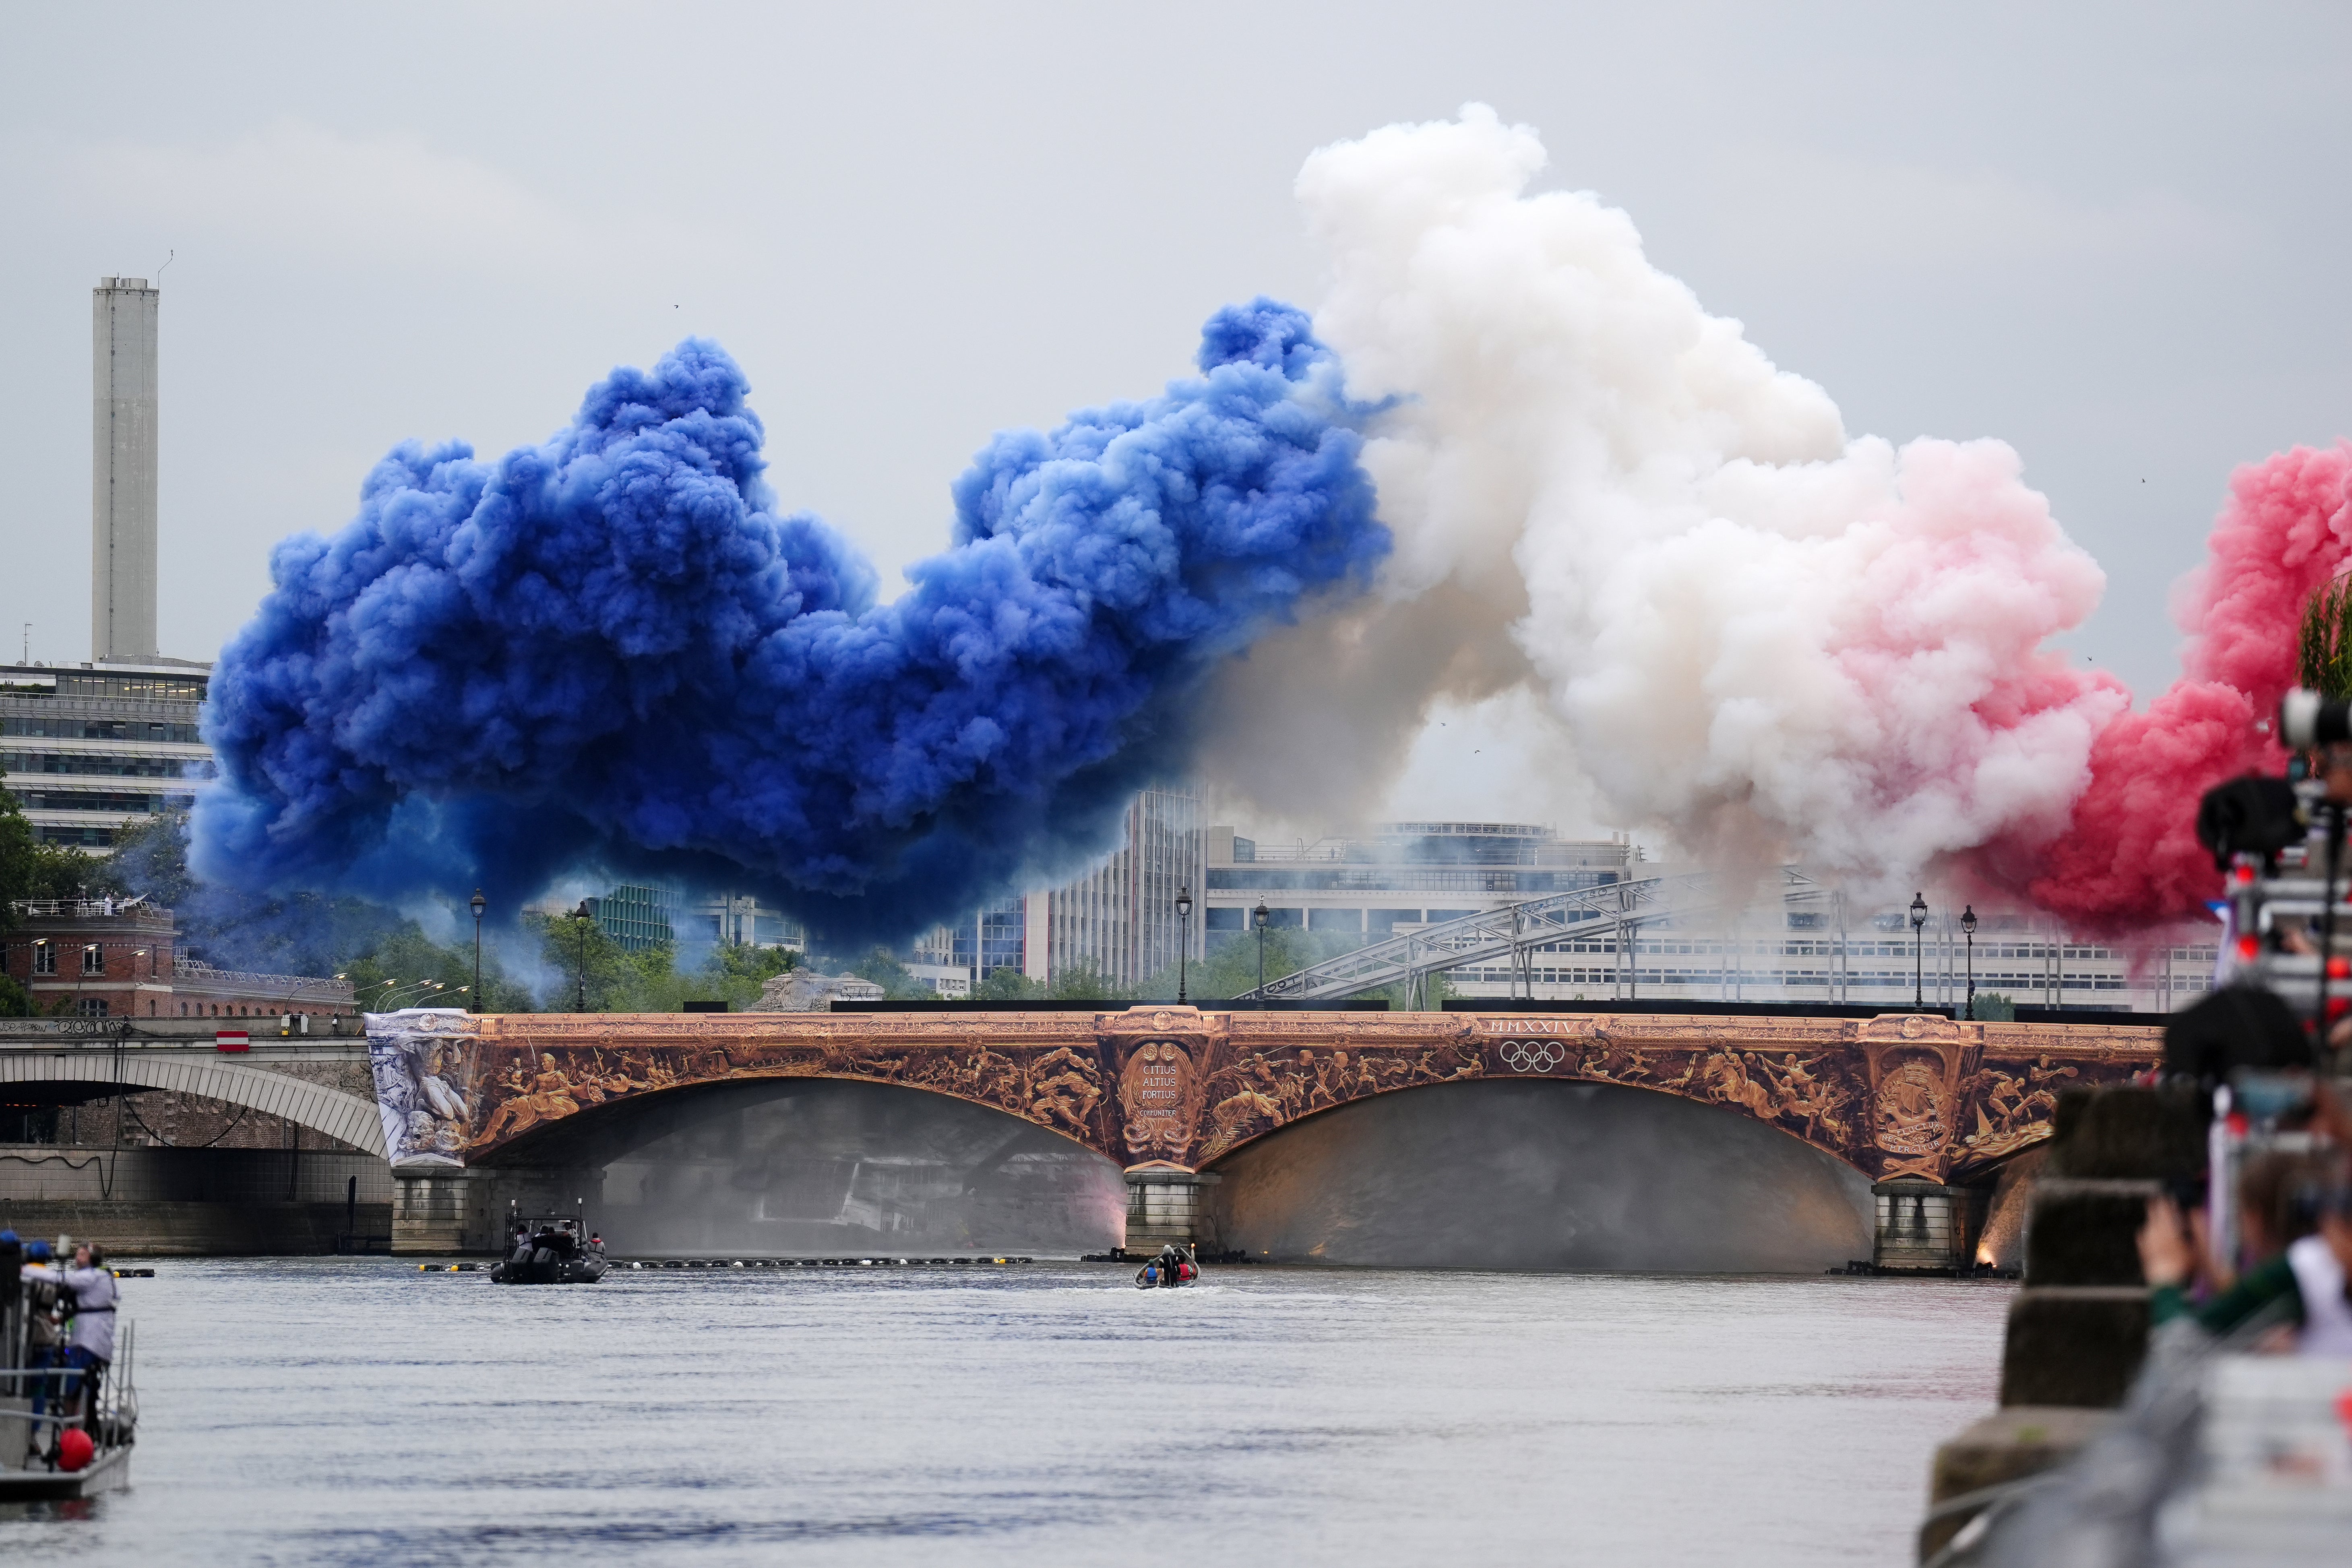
(2307, 719)
(2280, 847)
(2255, 1042)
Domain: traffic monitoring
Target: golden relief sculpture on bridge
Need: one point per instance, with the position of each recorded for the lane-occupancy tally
(1896, 1095)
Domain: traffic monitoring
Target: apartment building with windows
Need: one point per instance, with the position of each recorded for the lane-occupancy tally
(90, 750)
(1117, 920)
(122, 958)
(1397, 877)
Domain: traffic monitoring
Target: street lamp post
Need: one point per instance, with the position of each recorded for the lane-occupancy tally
(479, 904)
(1919, 946)
(1969, 930)
(1183, 936)
(1258, 917)
(581, 917)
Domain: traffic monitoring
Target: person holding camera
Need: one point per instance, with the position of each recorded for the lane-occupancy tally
(2303, 1287)
(86, 1293)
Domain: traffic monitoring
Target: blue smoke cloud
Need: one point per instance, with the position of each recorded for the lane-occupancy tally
(610, 651)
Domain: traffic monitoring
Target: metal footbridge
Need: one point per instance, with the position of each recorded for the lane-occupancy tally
(1613, 913)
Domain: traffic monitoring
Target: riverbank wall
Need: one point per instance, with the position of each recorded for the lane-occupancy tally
(151, 1201)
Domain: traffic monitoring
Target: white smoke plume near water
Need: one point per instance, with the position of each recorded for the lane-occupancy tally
(1766, 638)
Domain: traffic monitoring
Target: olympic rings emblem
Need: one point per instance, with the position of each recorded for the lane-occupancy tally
(1541, 1057)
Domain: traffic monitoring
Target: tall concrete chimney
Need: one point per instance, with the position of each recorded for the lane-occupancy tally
(122, 472)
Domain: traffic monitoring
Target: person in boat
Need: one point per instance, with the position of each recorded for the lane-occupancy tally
(596, 1243)
(85, 1290)
(44, 1345)
(1172, 1267)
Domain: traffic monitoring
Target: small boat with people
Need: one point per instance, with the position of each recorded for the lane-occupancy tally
(552, 1251)
(68, 1402)
(1174, 1267)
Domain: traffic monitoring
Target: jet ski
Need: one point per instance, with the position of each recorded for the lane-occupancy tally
(551, 1252)
(1172, 1269)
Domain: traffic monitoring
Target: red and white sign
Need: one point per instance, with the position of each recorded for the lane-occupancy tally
(232, 1040)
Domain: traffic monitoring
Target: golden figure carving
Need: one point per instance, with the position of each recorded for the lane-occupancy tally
(2013, 1108)
(1870, 1092)
(1910, 1107)
(549, 1097)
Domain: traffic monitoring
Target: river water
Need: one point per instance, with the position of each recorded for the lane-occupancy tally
(355, 1411)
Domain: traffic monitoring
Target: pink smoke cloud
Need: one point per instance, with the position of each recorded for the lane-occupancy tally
(2130, 858)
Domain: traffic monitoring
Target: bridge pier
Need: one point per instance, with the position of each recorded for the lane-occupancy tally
(1923, 1227)
(435, 1209)
(439, 1210)
(1165, 1203)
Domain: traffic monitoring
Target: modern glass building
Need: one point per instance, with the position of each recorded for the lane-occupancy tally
(641, 915)
(1119, 920)
(90, 750)
(637, 916)
(1398, 874)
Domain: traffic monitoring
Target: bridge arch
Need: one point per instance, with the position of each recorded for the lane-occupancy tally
(1538, 1174)
(345, 1117)
(822, 1166)
(617, 1127)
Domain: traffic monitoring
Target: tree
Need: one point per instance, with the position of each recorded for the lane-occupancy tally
(735, 974)
(16, 845)
(393, 970)
(32, 869)
(2324, 647)
(152, 859)
(1084, 982)
(882, 967)
(1229, 969)
(585, 960)
(1007, 985)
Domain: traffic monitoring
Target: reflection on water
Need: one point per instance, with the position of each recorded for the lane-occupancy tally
(355, 1411)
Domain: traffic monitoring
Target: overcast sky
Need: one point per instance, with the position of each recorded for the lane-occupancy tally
(2117, 238)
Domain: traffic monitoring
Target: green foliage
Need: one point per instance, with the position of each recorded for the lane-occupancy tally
(1081, 982)
(1005, 984)
(31, 870)
(396, 965)
(152, 858)
(16, 856)
(16, 1002)
(2323, 648)
(882, 967)
(296, 933)
(593, 970)
(1992, 1008)
(388, 959)
(734, 963)
(1230, 967)
(1437, 989)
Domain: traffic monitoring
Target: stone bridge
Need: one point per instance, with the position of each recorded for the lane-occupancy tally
(68, 1059)
(1910, 1102)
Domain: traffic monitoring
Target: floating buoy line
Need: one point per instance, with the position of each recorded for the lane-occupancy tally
(766, 1263)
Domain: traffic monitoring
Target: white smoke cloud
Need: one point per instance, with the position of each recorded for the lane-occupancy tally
(1764, 637)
